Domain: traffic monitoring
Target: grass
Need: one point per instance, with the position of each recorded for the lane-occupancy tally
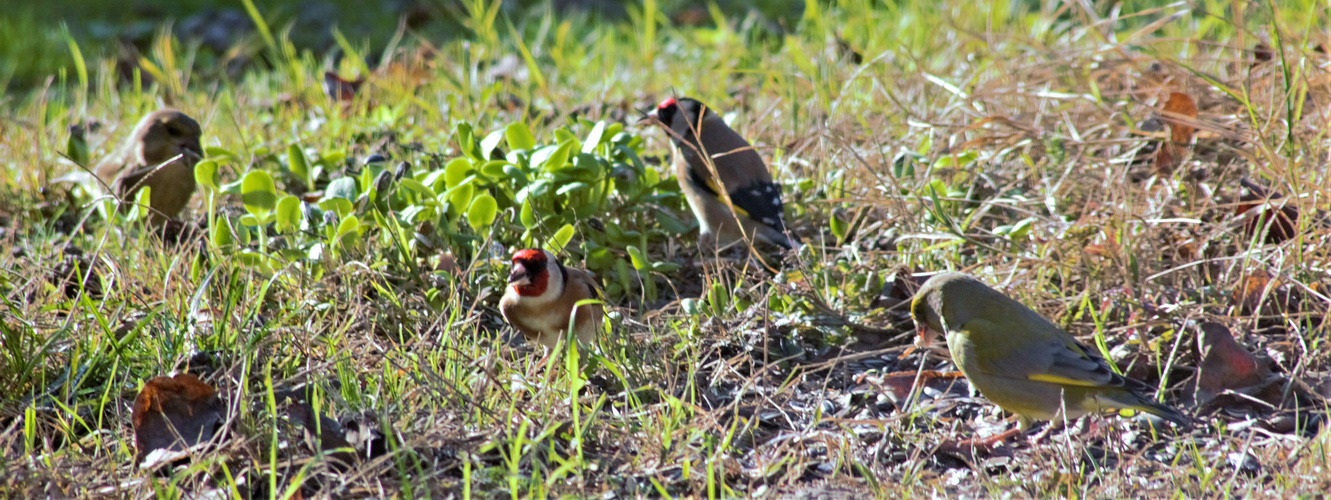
(995, 139)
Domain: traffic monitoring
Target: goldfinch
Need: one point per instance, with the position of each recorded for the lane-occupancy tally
(721, 162)
(146, 159)
(1021, 361)
(541, 295)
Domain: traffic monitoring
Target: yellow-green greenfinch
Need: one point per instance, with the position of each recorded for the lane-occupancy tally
(1021, 361)
(160, 153)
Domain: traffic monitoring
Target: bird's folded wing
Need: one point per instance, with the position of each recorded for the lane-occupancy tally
(1037, 355)
(1072, 363)
(760, 201)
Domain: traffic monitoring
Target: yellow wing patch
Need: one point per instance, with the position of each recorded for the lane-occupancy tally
(716, 187)
(1055, 379)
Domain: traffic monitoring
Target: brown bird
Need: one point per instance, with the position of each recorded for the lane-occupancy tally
(541, 296)
(722, 162)
(161, 154)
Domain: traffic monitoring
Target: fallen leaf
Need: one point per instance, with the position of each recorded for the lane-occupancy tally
(1225, 364)
(1261, 53)
(341, 89)
(965, 448)
(691, 16)
(328, 433)
(1179, 112)
(1258, 285)
(1259, 211)
(1228, 367)
(846, 51)
(174, 414)
(899, 287)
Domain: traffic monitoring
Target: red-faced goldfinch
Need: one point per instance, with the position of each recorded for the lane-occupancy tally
(541, 295)
(145, 159)
(722, 162)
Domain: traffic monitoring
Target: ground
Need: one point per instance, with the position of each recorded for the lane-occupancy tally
(1151, 178)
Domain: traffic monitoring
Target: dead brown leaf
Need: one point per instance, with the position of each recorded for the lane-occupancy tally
(341, 89)
(1257, 285)
(1276, 221)
(328, 433)
(1179, 112)
(174, 414)
(1226, 364)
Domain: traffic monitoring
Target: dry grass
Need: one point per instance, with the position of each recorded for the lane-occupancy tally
(1029, 167)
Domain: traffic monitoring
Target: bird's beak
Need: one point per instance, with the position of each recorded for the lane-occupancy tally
(649, 117)
(925, 337)
(519, 273)
(192, 150)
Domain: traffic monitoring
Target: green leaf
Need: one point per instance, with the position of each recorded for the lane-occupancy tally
(77, 149)
(341, 206)
(1018, 231)
(718, 298)
(588, 168)
(142, 199)
(839, 227)
(205, 173)
(219, 152)
(671, 224)
(253, 259)
(572, 187)
(527, 217)
(594, 138)
(639, 260)
(233, 187)
(461, 196)
(551, 158)
(299, 164)
(258, 193)
(560, 239)
(417, 187)
(490, 142)
(956, 160)
(348, 231)
(665, 267)
(456, 171)
(332, 159)
(519, 136)
(221, 234)
(467, 141)
(288, 214)
(494, 170)
(342, 187)
(482, 212)
(418, 213)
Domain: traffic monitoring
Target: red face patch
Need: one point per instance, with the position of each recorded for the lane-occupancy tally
(531, 264)
(529, 255)
(667, 103)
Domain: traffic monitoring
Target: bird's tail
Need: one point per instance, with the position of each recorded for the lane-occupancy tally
(1163, 411)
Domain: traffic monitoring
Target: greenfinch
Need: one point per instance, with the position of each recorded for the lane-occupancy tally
(1021, 361)
(160, 153)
